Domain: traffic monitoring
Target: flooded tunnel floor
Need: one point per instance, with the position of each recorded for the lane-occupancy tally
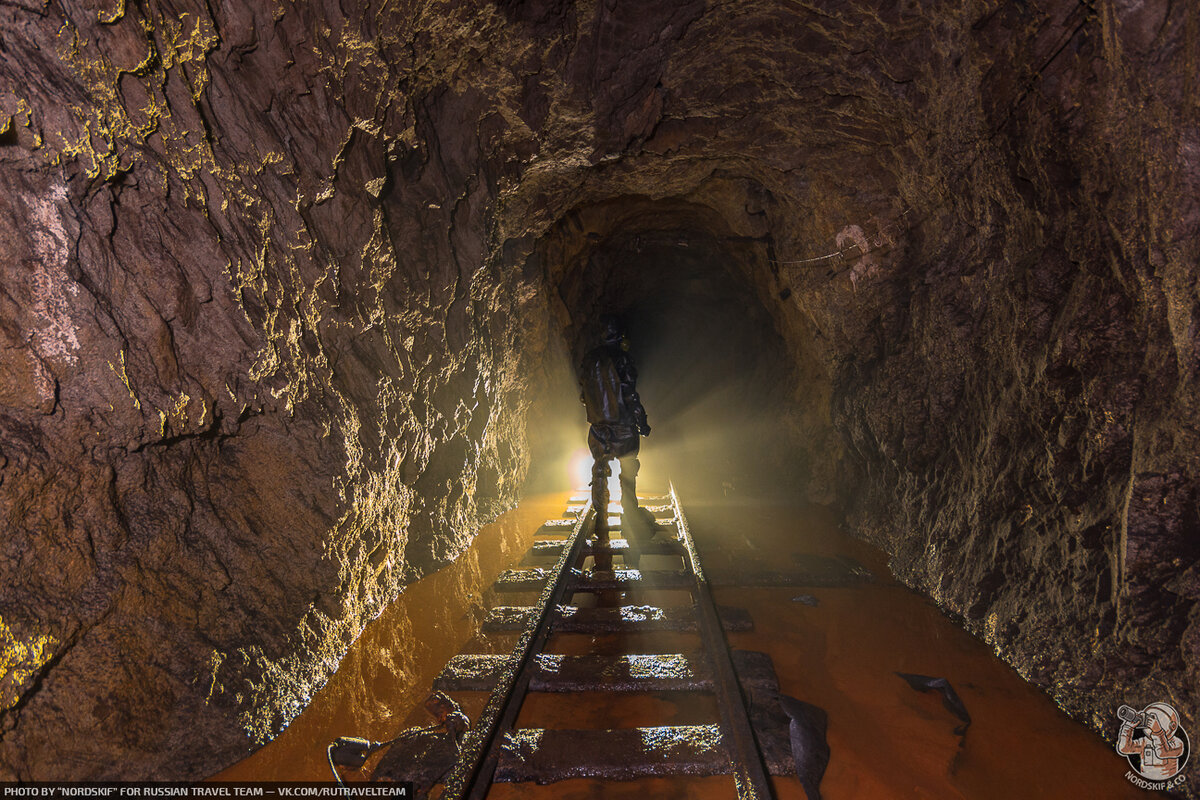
(387, 673)
(886, 739)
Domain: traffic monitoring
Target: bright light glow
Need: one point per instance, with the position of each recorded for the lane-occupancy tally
(581, 474)
(581, 468)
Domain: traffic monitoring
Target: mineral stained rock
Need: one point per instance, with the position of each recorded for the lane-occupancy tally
(259, 371)
(281, 285)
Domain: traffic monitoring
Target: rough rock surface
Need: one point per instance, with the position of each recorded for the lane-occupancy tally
(276, 284)
(259, 371)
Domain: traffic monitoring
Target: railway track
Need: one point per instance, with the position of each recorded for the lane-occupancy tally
(748, 741)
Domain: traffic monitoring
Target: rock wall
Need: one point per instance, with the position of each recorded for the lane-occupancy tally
(1021, 405)
(279, 286)
(259, 369)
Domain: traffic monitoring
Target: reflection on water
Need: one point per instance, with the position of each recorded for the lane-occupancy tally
(886, 740)
(386, 676)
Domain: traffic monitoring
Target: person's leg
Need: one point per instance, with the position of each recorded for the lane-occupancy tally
(628, 480)
(637, 524)
(601, 554)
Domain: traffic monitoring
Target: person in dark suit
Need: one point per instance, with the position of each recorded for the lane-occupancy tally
(608, 379)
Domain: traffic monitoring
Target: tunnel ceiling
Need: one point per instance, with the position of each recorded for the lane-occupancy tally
(282, 286)
(614, 255)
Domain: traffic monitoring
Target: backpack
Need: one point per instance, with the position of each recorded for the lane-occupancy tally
(601, 388)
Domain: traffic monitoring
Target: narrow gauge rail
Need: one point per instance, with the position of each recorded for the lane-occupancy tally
(495, 750)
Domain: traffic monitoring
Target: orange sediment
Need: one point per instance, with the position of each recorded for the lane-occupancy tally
(386, 675)
(886, 739)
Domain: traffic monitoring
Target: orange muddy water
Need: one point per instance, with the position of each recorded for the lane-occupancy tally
(886, 739)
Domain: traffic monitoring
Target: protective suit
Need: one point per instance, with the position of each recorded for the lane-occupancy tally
(614, 410)
(1157, 746)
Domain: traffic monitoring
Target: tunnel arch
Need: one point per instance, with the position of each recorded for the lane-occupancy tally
(257, 289)
(704, 309)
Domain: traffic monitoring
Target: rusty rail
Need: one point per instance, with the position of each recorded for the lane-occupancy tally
(479, 753)
(494, 732)
(749, 771)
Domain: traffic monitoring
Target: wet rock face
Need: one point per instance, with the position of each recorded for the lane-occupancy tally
(1023, 412)
(258, 372)
(278, 282)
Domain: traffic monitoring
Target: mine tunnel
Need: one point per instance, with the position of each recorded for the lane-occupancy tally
(294, 303)
(690, 292)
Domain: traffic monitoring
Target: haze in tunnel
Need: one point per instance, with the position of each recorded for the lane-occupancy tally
(712, 372)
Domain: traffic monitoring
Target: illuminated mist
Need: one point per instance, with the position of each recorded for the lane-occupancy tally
(713, 373)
